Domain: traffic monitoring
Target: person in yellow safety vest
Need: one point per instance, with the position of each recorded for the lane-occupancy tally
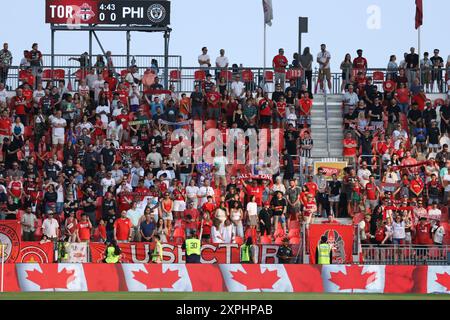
(247, 251)
(112, 253)
(193, 249)
(157, 254)
(324, 254)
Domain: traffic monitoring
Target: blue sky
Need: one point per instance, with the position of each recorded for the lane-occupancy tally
(237, 26)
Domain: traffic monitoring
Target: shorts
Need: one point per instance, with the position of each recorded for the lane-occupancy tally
(324, 73)
(334, 198)
(57, 140)
(167, 216)
(306, 161)
(265, 120)
(179, 205)
(253, 220)
(398, 241)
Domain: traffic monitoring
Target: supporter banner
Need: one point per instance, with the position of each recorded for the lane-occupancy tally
(330, 168)
(10, 235)
(227, 278)
(181, 123)
(211, 254)
(418, 164)
(253, 177)
(77, 252)
(35, 252)
(340, 238)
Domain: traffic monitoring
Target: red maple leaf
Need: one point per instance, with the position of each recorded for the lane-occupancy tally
(155, 278)
(444, 280)
(353, 279)
(50, 277)
(253, 278)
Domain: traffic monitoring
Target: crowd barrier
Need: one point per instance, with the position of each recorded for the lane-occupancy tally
(226, 278)
(406, 255)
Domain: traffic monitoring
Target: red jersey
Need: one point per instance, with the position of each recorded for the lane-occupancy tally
(360, 63)
(123, 96)
(255, 191)
(166, 148)
(84, 231)
(309, 208)
(371, 191)
(423, 234)
(416, 186)
(5, 126)
(281, 107)
(71, 224)
(312, 187)
(19, 104)
(179, 195)
(280, 63)
(349, 152)
(389, 86)
(122, 226)
(207, 224)
(28, 94)
(213, 98)
(193, 213)
(265, 107)
(402, 95)
(125, 118)
(16, 188)
(306, 105)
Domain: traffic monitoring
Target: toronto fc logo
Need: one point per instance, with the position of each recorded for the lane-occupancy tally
(156, 13)
(85, 13)
(337, 244)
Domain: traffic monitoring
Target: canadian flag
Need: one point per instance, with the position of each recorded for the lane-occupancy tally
(438, 279)
(256, 278)
(157, 277)
(51, 277)
(353, 278)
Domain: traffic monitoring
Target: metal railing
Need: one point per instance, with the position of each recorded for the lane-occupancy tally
(405, 255)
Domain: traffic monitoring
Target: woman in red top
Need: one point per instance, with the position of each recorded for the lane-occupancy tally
(280, 114)
(70, 227)
(403, 97)
(204, 226)
(179, 203)
(166, 210)
(98, 128)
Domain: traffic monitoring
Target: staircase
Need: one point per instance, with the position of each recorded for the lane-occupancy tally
(319, 127)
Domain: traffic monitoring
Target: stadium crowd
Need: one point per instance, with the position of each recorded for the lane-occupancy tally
(94, 164)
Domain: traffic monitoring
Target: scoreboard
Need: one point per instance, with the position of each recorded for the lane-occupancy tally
(108, 12)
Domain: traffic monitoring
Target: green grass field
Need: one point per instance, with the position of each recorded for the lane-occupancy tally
(211, 296)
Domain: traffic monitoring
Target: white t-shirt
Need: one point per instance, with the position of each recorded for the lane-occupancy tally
(237, 88)
(216, 236)
(204, 57)
(220, 164)
(192, 191)
(156, 158)
(236, 215)
(363, 175)
(323, 56)
(134, 216)
(204, 192)
(103, 117)
(222, 62)
(398, 230)
(50, 228)
(58, 132)
(3, 95)
(227, 233)
(439, 234)
(106, 183)
(37, 95)
(434, 214)
(252, 209)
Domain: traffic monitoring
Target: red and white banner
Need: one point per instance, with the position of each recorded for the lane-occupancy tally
(227, 278)
(211, 254)
(10, 235)
(340, 238)
(35, 252)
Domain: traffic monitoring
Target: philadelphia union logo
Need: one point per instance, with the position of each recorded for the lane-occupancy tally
(156, 13)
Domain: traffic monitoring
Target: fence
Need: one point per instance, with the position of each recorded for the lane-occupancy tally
(405, 255)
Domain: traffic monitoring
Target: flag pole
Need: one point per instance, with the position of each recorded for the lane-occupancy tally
(2, 248)
(419, 53)
(265, 47)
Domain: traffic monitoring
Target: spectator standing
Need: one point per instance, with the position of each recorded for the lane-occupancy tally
(123, 228)
(425, 71)
(204, 60)
(222, 63)
(284, 253)
(412, 65)
(437, 63)
(392, 68)
(35, 59)
(306, 60)
(347, 70)
(279, 63)
(6, 59)
(50, 227)
(360, 63)
(28, 222)
(323, 59)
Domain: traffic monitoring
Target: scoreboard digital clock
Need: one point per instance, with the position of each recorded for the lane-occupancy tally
(108, 12)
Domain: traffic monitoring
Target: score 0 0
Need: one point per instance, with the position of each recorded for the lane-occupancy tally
(126, 13)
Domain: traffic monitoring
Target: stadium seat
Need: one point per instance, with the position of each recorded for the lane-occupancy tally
(378, 76)
(293, 74)
(47, 75)
(279, 240)
(247, 76)
(268, 76)
(199, 75)
(228, 75)
(294, 241)
(175, 76)
(266, 240)
(279, 232)
(59, 74)
(294, 233)
(238, 240)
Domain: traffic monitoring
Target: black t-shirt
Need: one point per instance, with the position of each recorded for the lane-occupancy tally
(445, 111)
(69, 171)
(437, 61)
(433, 135)
(10, 158)
(377, 113)
(289, 167)
(429, 115)
(284, 251)
(394, 111)
(278, 205)
(72, 206)
(412, 60)
(108, 156)
(12, 207)
(265, 215)
(335, 187)
(366, 144)
(108, 205)
(414, 115)
(110, 219)
(291, 137)
(90, 201)
(197, 99)
(277, 95)
(52, 171)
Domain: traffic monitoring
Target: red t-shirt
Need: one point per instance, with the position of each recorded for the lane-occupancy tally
(371, 191)
(349, 152)
(280, 62)
(19, 104)
(360, 63)
(255, 191)
(16, 188)
(122, 227)
(423, 234)
(389, 86)
(281, 107)
(265, 107)
(306, 107)
(213, 99)
(71, 224)
(84, 230)
(123, 96)
(416, 186)
(403, 95)
(312, 187)
(5, 126)
(309, 208)
(28, 94)
(125, 118)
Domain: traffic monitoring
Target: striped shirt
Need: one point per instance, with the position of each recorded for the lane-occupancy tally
(306, 153)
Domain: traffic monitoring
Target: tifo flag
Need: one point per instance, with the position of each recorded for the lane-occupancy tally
(157, 277)
(51, 277)
(419, 13)
(353, 278)
(256, 278)
(268, 11)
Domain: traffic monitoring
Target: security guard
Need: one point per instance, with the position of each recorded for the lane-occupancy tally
(324, 254)
(157, 254)
(112, 253)
(193, 249)
(284, 253)
(247, 251)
